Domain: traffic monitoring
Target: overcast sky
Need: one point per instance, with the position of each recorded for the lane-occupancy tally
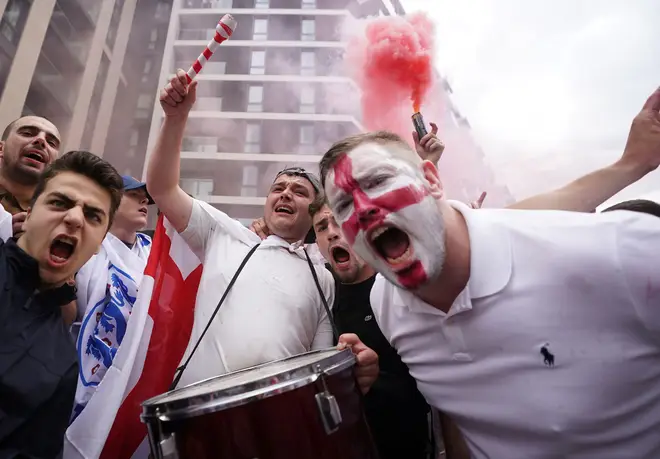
(550, 89)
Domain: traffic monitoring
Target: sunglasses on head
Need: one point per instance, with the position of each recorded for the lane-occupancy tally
(300, 172)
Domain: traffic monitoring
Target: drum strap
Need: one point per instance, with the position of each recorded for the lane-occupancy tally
(335, 333)
(183, 367)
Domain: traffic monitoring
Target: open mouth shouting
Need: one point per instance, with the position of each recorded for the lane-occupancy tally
(143, 210)
(393, 245)
(284, 209)
(35, 157)
(340, 256)
(61, 249)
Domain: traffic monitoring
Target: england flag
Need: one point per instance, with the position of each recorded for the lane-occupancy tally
(156, 338)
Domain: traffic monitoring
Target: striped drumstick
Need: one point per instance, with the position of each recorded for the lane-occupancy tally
(223, 31)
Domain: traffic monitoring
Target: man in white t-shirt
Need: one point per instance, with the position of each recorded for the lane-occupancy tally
(537, 332)
(274, 309)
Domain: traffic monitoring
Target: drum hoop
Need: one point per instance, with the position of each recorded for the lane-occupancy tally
(212, 402)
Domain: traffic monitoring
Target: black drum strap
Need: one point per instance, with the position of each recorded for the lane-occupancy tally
(335, 333)
(183, 367)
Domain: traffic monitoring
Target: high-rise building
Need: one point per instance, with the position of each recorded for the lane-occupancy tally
(62, 59)
(126, 142)
(270, 97)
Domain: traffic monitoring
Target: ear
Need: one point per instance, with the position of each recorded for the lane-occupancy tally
(433, 179)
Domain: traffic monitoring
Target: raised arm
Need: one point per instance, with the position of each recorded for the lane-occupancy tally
(641, 156)
(163, 170)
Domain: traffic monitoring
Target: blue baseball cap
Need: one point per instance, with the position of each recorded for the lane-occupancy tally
(131, 183)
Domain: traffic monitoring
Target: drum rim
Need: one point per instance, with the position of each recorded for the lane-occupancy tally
(262, 388)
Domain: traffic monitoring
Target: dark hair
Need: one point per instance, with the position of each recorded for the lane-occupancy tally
(10, 126)
(338, 149)
(91, 166)
(637, 205)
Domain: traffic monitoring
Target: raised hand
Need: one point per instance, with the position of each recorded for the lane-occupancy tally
(642, 150)
(178, 96)
(429, 147)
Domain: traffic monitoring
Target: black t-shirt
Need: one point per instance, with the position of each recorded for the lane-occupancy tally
(396, 411)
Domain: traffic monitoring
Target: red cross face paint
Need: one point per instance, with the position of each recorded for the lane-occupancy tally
(387, 215)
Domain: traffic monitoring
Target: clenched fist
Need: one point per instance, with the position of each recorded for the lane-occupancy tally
(178, 96)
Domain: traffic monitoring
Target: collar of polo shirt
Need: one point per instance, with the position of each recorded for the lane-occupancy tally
(490, 264)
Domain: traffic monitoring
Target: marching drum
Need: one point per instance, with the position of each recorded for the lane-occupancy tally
(302, 407)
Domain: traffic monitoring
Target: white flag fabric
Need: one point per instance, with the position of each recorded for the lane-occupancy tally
(154, 342)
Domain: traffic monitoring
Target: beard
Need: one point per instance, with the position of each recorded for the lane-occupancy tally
(423, 225)
(19, 173)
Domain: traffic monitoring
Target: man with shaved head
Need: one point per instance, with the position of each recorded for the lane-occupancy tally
(28, 145)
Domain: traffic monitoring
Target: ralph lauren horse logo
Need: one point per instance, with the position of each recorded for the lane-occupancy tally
(548, 358)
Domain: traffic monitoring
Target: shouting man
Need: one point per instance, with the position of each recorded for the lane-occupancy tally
(275, 309)
(501, 315)
(28, 145)
(71, 211)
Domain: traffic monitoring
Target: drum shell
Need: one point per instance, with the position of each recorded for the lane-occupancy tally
(285, 425)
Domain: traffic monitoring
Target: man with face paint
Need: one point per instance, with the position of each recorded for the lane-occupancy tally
(275, 309)
(535, 331)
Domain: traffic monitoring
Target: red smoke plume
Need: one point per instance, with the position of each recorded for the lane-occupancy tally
(391, 60)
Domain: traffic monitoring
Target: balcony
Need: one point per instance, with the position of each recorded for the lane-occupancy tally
(58, 85)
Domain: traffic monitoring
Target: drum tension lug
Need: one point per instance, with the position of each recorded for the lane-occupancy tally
(168, 448)
(328, 407)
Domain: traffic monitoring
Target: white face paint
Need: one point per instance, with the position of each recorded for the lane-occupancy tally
(387, 215)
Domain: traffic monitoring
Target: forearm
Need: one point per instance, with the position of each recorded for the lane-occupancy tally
(163, 170)
(587, 192)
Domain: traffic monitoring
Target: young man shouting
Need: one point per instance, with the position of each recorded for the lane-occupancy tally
(73, 206)
(535, 331)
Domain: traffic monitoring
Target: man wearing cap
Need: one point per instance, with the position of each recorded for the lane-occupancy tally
(107, 288)
(278, 305)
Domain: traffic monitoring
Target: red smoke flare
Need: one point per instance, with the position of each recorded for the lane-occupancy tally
(391, 60)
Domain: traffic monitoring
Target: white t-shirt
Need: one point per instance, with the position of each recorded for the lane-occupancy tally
(553, 349)
(6, 230)
(274, 309)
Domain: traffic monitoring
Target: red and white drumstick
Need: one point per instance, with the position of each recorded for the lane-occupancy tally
(223, 31)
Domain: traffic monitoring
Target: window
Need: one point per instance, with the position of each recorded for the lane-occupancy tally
(135, 136)
(309, 4)
(308, 30)
(255, 98)
(148, 65)
(200, 144)
(153, 39)
(253, 138)
(162, 9)
(208, 103)
(307, 100)
(306, 140)
(257, 66)
(199, 188)
(215, 68)
(261, 3)
(307, 63)
(260, 29)
(250, 179)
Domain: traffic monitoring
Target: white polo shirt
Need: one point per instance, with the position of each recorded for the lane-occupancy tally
(584, 287)
(274, 309)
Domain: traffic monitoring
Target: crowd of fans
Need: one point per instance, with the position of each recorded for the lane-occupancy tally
(528, 332)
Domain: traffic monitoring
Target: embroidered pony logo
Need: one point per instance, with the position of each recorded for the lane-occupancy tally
(548, 358)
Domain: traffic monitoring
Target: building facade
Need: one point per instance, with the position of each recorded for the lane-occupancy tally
(77, 62)
(268, 98)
